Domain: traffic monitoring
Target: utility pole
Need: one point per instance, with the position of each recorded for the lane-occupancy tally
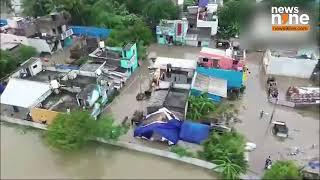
(274, 109)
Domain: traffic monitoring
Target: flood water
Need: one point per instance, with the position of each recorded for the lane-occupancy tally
(25, 155)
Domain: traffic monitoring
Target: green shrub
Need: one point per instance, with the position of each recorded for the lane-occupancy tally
(283, 170)
(74, 130)
(227, 151)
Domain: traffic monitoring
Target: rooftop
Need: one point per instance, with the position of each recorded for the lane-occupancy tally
(79, 81)
(308, 53)
(91, 67)
(44, 75)
(60, 102)
(29, 62)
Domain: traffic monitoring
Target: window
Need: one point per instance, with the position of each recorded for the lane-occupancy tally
(34, 66)
(161, 36)
(205, 59)
(125, 53)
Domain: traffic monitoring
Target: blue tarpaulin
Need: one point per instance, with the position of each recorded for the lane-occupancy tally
(3, 22)
(194, 132)
(169, 130)
(2, 87)
(102, 33)
(203, 3)
(234, 78)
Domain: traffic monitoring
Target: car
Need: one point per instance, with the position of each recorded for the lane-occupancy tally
(280, 129)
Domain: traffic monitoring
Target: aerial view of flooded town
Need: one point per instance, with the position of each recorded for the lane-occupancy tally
(160, 89)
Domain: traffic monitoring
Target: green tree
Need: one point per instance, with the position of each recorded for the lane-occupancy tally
(10, 60)
(7, 63)
(232, 15)
(227, 151)
(71, 131)
(26, 52)
(283, 170)
(6, 5)
(156, 10)
(187, 3)
(37, 8)
(74, 130)
(199, 107)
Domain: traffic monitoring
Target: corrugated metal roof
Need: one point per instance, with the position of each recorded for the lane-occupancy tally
(23, 93)
(211, 85)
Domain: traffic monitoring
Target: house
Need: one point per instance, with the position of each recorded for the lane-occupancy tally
(215, 58)
(124, 58)
(172, 70)
(46, 34)
(33, 93)
(174, 99)
(30, 67)
(294, 63)
(207, 17)
(199, 37)
(172, 31)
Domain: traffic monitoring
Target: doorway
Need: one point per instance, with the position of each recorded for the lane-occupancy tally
(199, 43)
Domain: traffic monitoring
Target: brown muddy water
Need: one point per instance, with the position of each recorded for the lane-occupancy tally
(24, 155)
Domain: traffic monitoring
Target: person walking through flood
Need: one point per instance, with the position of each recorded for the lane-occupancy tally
(261, 114)
(268, 163)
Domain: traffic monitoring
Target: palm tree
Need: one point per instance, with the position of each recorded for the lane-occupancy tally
(228, 169)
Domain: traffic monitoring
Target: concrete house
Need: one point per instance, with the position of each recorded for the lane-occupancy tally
(172, 31)
(295, 63)
(124, 58)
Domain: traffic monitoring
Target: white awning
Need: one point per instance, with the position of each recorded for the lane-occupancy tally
(161, 62)
(24, 93)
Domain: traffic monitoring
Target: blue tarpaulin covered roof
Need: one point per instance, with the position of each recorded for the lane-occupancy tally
(194, 132)
(169, 130)
(91, 31)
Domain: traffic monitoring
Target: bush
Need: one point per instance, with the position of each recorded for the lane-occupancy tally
(283, 170)
(74, 130)
(181, 151)
(199, 107)
(71, 131)
(227, 151)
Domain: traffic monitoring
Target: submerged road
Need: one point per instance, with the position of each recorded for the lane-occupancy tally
(24, 155)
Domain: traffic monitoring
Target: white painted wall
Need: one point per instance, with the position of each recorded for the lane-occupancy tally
(36, 67)
(284, 66)
(212, 24)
